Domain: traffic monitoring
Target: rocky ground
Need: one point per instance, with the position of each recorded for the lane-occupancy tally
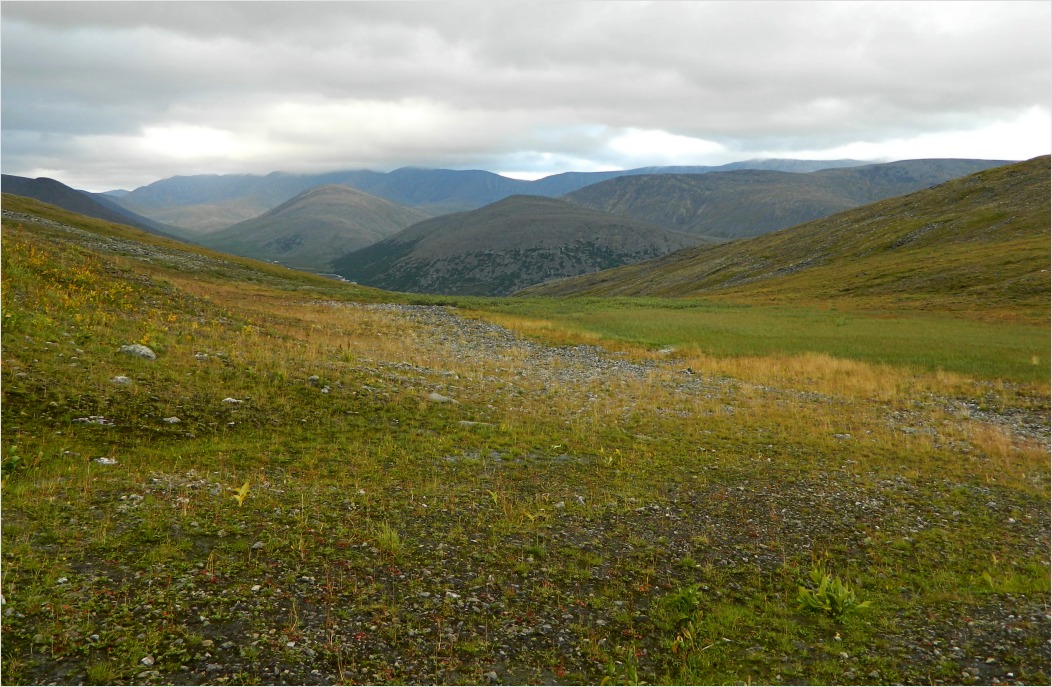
(516, 572)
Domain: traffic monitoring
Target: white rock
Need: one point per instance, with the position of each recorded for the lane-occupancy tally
(139, 350)
(439, 398)
(173, 420)
(121, 379)
(147, 661)
(232, 401)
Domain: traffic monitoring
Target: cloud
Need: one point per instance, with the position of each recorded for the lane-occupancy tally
(252, 87)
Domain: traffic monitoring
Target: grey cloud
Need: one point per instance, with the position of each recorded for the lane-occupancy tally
(748, 75)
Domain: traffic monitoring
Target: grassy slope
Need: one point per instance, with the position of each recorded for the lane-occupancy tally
(978, 244)
(395, 548)
(307, 231)
(743, 203)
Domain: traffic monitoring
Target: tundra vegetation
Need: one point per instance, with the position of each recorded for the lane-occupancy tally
(316, 482)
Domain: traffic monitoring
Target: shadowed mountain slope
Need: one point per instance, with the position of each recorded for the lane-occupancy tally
(506, 246)
(742, 203)
(308, 230)
(979, 241)
(91, 205)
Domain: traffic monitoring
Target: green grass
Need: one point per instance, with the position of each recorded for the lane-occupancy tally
(927, 342)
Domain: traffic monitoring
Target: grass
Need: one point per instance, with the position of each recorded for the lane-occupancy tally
(1011, 351)
(381, 540)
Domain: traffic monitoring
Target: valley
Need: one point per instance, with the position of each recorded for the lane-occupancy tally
(317, 482)
(351, 222)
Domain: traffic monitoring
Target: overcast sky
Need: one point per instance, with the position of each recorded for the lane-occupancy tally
(117, 95)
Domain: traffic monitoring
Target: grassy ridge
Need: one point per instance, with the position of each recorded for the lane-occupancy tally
(558, 524)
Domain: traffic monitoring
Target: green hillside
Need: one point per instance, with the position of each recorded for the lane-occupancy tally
(744, 203)
(980, 243)
(308, 230)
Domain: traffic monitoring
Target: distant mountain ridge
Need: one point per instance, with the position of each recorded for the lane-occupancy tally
(504, 247)
(981, 241)
(745, 202)
(307, 231)
(208, 202)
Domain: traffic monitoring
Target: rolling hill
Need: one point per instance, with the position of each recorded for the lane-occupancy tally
(742, 203)
(204, 203)
(308, 230)
(979, 241)
(91, 205)
(209, 202)
(504, 247)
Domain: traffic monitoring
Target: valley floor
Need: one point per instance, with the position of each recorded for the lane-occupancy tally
(388, 493)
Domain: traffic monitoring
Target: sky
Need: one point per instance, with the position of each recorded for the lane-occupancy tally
(115, 95)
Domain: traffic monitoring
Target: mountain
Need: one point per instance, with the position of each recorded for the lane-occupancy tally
(58, 194)
(745, 202)
(505, 246)
(209, 202)
(980, 242)
(205, 203)
(308, 230)
(441, 191)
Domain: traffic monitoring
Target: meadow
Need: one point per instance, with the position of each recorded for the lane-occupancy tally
(319, 483)
(925, 342)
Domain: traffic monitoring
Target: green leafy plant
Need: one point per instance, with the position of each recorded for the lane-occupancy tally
(677, 609)
(241, 494)
(829, 595)
(11, 461)
(622, 669)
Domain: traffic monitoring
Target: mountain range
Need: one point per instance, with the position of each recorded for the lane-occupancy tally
(317, 226)
(506, 246)
(209, 202)
(981, 241)
(976, 244)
